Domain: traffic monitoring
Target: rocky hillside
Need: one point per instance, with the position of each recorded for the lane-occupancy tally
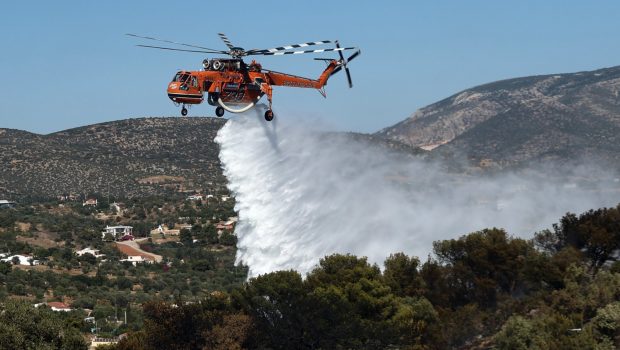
(128, 157)
(133, 157)
(517, 121)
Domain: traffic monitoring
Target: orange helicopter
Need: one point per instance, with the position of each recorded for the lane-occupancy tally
(234, 86)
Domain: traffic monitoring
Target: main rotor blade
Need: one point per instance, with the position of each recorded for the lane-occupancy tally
(170, 42)
(225, 40)
(299, 52)
(290, 47)
(169, 48)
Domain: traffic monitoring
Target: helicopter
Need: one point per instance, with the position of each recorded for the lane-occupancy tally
(232, 85)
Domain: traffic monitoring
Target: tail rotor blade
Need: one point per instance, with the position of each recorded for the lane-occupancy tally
(346, 69)
(344, 64)
(340, 53)
(355, 54)
(338, 69)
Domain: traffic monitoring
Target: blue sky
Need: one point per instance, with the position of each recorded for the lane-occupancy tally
(67, 63)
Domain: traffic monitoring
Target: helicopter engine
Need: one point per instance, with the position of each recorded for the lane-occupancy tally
(221, 64)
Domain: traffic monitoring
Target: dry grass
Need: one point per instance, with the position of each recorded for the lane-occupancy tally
(41, 239)
(160, 179)
(23, 226)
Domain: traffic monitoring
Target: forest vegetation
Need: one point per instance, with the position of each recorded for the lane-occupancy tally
(485, 290)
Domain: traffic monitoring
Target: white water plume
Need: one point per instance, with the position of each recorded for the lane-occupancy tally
(303, 194)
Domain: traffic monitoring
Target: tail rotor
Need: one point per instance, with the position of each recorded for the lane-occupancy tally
(344, 62)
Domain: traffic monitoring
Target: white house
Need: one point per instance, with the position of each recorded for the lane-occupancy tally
(116, 231)
(96, 342)
(7, 204)
(136, 259)
(55, 306)
(91, 251)
(92, 202)
(59, 306)
(23, 260)
(195, 197)
(164, 230)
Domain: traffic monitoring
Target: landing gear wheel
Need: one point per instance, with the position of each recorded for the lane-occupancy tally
(219, 111)
(269, 115)
(212, 98)
(184, 111)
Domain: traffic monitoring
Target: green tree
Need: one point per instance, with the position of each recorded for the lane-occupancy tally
(185, 236)
(172, 327)
(5, 267)
(211, 234)
(229, 334)
(23, 326)
(519, 333)
(596, 232)
(228, 238)
(418, 324)
(276, 301)
(401, 274)
(607, 322)
(133, 341)
(352, 305)
(483, 263)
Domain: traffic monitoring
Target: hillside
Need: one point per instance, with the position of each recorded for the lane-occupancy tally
(128, 157)
(517, 121)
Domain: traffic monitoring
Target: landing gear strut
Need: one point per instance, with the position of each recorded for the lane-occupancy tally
(184, 111)
(219, 111)
(269, 115)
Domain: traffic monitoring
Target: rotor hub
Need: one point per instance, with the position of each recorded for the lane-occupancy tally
(237, 52)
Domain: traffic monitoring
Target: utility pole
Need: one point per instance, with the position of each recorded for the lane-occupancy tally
(108, 191)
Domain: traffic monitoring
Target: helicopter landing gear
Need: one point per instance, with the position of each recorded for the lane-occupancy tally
(184, 111)
(269, 115)
(212, 98)
(219, 111)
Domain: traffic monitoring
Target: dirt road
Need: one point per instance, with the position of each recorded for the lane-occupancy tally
(133, 248)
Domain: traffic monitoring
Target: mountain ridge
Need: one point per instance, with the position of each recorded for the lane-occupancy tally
(517, 121)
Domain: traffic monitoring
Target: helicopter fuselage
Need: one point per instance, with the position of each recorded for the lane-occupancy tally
(232, 82)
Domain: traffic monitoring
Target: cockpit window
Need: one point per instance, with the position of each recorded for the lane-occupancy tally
(180, 77)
